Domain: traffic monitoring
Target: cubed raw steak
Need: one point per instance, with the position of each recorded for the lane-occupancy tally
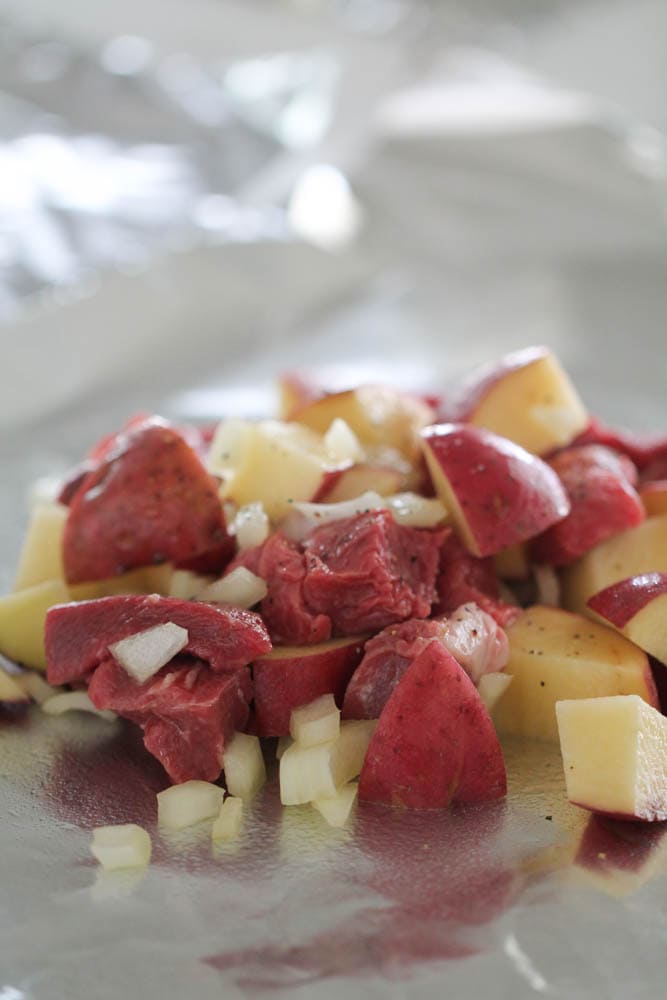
(282, 565)
(464, 578)
(78, 635)
(367, 572)
(187, 712)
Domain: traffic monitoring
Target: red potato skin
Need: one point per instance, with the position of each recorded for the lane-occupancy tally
(434, 743)
(282, 685)
(506, 494)
(77, 636)
(621, 601)
(149, 500)
(602, 500)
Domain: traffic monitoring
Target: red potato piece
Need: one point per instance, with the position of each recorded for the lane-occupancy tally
(366, 572)
(77, 636)
(525, 396)
(75, 478)
(290, 676)
(637, 607)
(282, 566)
(622, 601)
(647, 451)
(187, 712)
(434, 743)
(602, 503)
(497, 492)
(464, 578)
(150, 500)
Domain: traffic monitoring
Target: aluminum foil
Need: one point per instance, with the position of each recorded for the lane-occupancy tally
(221, 240)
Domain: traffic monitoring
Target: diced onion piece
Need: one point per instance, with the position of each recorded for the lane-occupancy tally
(492, 687)
(251, 525)
(309, 773)
(342, 443)
(243, 763)
(305, 517)
(186, 585)
(36, 687)
(337, 809)
(75, 701)
(240, 588)
(10, 687)
(141, 655)
(227, 824)
(415, 511)
(548, 586)
(46, 489)
(124, 846)
(187, 804)
(317, 722)
(283, 743)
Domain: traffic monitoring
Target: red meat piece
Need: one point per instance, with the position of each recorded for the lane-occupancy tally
(643, 450)
(150, 500)
(366, 572)
(386, 658)
(78, 635)
(464, 578)
(282, 565)
(602, 500)
(187, 712)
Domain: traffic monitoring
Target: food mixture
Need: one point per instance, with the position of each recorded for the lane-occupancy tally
(386, 582)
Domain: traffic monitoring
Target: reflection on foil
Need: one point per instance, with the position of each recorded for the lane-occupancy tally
(109, 164)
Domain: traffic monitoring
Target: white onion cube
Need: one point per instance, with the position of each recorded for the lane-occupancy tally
(124, 846)
(227, 825)
(184, 805)
(309, 773)
(337, 809)
(492, 687)
(304, 517)
(342, 443)
(141, 655)
(251, 525)
(74, 701)
(415, 511)
(240, 588)
(36, 687)
(317, 722)
(243, 763)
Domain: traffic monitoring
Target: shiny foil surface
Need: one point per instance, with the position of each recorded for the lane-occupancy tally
(472, 191)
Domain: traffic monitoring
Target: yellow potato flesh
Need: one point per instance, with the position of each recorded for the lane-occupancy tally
(555, 655)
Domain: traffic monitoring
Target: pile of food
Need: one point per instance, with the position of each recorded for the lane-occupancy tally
(385, 581)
